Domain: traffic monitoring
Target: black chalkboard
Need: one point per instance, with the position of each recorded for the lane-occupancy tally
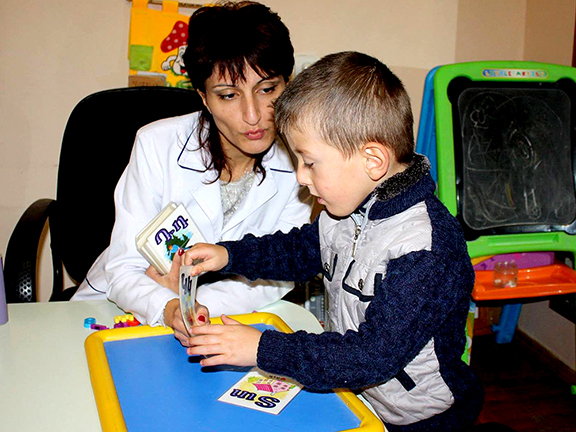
(514, 157)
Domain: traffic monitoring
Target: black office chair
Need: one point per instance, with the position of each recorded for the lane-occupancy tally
(96, 147)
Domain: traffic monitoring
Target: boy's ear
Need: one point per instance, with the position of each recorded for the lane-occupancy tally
(203, 96)
(376, 160)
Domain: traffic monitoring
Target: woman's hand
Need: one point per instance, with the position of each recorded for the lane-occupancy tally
(173, 318)
(171, 280)
(208, 257)
(232, 343)
(202, 314)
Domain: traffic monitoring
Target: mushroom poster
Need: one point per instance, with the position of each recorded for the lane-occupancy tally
(157, 43)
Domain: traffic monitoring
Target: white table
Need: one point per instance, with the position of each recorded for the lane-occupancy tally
(44, 380)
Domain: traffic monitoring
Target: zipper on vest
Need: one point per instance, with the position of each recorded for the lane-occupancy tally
(361, 223)
(356, 235)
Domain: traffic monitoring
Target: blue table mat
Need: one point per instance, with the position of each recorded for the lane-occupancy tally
(161, 388)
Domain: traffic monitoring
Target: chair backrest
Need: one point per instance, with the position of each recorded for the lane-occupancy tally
(96, 147)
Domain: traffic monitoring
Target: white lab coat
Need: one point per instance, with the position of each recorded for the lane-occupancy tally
(166, 166)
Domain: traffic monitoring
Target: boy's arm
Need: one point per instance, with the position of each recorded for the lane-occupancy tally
(420, 292)
(294, 256)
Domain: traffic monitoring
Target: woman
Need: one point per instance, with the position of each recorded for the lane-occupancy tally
(222, 163)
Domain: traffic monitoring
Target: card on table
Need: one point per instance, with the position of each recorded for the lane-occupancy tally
(262, 391)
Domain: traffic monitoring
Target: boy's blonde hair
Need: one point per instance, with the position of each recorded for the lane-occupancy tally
(349, 99)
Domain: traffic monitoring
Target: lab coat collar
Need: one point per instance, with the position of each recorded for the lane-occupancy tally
(206, 191)
(277, 158)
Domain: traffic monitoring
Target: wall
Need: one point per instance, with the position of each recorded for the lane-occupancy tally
(54, 53)
(490, 30)
(549, 37)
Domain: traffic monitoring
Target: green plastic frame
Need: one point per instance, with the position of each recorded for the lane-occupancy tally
(503, 71)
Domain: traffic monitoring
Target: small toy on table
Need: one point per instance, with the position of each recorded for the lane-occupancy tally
(89, 321)
(126, 320)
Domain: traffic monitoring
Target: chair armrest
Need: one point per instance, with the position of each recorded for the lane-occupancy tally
(22, 253)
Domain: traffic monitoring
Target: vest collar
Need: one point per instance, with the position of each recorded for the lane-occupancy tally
(402, 191)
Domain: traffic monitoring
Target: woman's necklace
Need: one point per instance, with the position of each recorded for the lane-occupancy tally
(232, 193)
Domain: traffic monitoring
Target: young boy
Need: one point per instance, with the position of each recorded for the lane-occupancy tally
(394, 260)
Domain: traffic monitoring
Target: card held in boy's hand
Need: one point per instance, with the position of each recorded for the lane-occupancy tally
(187, 291)
(262, 391)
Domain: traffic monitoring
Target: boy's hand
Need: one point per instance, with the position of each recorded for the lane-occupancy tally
(212, 257)
(232, 343)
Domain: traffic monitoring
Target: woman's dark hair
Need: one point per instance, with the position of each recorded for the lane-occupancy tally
(227, 38)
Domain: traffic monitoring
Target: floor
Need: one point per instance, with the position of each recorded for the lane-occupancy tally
(521, 392)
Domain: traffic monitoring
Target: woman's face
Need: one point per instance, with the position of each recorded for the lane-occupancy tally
(243, 111)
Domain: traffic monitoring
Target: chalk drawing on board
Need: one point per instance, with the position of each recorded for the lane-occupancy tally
(516, 157)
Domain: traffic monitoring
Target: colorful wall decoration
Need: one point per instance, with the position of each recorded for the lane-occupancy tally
(157, 43)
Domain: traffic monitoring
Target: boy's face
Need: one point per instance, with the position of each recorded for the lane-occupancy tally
(340, 183)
